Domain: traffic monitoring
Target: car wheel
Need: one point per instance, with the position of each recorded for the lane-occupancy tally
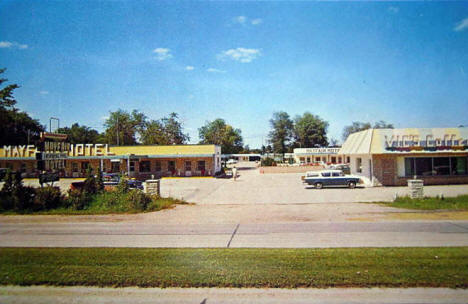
(318, 185)
(352, 185)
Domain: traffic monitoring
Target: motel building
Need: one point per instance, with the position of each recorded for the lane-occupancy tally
(142, 162)
(319, 156)
(390, 157)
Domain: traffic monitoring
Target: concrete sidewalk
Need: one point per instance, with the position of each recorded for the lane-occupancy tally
(41, 294)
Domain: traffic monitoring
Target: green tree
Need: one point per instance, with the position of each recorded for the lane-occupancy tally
(310, 131)
(217, 132)
(166, 131)
(282, 132)
(173, 130)
(122, 127)
(17, 127)
(81, 134)
(357, 126)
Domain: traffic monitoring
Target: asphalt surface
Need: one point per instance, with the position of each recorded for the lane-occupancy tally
(39, 294)
(256, 235)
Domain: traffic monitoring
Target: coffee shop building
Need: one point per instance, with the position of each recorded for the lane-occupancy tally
(390, 157)
(141, 162)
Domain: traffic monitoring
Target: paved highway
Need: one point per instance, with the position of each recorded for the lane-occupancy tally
(41, 294)
(268, 235)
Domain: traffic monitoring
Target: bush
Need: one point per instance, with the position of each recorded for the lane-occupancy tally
(78, 199)
(268, 162)
(48, 198)
(90, 186)
(137, 200)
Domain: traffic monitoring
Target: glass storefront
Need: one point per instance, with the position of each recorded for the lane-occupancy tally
(435, 166)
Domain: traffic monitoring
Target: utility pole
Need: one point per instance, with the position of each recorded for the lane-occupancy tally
(117, 130)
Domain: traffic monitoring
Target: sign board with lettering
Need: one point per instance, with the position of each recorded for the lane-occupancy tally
(324, 150)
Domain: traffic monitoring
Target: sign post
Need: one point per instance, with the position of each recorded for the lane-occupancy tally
(53, 151)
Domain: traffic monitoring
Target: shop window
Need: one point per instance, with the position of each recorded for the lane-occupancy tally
(441, 166)
(201, 165)
(171, 166)
(409, 167)
(458, 165)
(423, 166)
(145, 166)
(158, 166)
(188, 166)
(359, 165)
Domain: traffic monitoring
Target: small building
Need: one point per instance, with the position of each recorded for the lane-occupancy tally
(319, 156)
(137, 161)
(390, 157)
(242, 157)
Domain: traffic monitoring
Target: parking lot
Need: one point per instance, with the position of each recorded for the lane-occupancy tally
(251, 187)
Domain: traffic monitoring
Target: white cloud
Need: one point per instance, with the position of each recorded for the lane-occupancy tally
(256, 21)
(189, 68)
(8, 44)
(393, 9)
(462, 25)
(162, 53)
(240, 19)
(212, 70)
(241, 54)
(44, 92)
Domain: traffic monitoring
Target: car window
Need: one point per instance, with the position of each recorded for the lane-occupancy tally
(326, 174)
(336, 174)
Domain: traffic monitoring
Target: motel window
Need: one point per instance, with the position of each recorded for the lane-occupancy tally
(115, 167)
(308, 159)
(23, 168)
(158, 166)
(74, 167)
(317, 159)
(435, 166)
(132, 166)
(339, 160)
(359, 165)
(201, 165)
(145, 166)
(188, 166)
(348, 160)
(171, 166)
(84, 166)
(333, 159)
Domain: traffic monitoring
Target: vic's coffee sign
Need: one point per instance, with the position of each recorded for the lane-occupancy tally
(429, 142)
(70, 149)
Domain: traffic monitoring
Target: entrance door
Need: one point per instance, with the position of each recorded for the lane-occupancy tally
(388, 171)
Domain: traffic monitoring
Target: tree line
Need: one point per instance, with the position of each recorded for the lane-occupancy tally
(133, 128)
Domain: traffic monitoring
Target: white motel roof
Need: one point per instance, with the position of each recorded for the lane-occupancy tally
(409, 140)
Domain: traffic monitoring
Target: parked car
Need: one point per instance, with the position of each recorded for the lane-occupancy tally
(113, 179)
(231, 162)
(331, 178)
(343, 167)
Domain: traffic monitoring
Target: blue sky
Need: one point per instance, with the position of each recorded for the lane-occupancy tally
(402, 62)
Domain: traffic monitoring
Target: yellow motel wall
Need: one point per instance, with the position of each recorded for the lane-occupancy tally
(145, 161)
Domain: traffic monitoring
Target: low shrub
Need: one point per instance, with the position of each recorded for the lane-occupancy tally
(48, 198)
(77, 199)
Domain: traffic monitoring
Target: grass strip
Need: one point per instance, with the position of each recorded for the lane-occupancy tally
(457, 203)
(274, 268)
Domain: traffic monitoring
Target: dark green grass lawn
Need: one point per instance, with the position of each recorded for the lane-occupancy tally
(289, 268)
(459, 202)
